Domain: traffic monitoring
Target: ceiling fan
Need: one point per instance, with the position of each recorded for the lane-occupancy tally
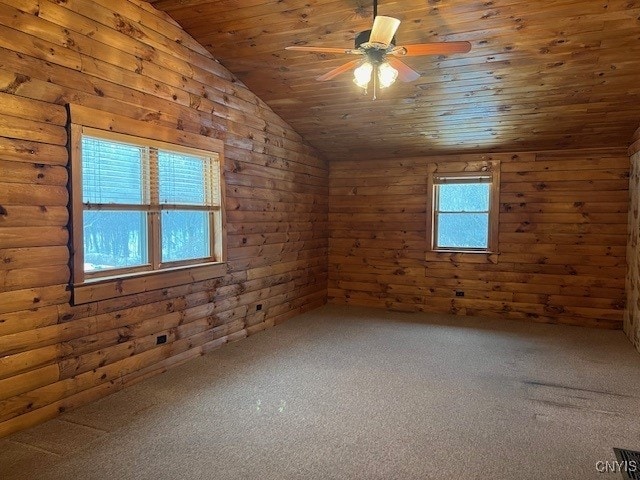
(379, 54)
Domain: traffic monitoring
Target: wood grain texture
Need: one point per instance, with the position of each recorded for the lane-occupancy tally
(632, 310)
(540, 76)
(561, 249)
(127, 59)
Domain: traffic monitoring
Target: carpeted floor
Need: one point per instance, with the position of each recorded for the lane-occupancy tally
(351, 393)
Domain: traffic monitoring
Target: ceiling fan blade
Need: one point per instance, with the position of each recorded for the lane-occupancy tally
(405, 73)
(436, 48)
(384, 28)
(352, 51)
(337, 71)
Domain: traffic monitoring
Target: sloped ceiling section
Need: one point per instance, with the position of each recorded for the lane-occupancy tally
(540, 76)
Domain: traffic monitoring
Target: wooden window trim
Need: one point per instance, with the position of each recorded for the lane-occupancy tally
(470, 169)
(144, 278)
(129, 284)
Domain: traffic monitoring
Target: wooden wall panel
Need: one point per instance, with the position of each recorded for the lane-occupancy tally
(632, 312)
(562, 236)
(124, 57)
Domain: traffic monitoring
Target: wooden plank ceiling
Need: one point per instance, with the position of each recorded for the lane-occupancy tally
(540, 76)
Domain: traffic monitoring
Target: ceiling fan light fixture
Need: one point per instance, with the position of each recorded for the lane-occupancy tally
(386, 75)
(362, 75)
(379, 54)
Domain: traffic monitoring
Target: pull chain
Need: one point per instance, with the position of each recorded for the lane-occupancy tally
(375, 82)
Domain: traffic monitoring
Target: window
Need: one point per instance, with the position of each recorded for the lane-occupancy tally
(464, 207)
(146, 207)
(142, 207)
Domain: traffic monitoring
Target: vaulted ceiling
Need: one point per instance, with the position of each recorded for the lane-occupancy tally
(541, 75)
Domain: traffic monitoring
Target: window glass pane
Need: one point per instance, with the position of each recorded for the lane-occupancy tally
(112, 172)
(182, 178)
(185, 235)
(463, 230)
(114, 239)
(464, 197)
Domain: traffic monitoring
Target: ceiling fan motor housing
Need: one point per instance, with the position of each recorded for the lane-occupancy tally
(363, 37)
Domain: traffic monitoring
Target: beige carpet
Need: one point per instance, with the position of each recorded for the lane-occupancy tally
(346, 393)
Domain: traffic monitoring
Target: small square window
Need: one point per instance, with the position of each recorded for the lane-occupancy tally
(461, 213)
(464, 209)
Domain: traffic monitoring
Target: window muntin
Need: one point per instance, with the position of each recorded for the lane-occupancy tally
(146, 205)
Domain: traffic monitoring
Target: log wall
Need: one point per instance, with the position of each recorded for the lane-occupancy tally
(562, 237)
(632, 312)
(124, 57)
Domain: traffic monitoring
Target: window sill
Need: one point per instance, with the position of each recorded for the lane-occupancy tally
(461, 256)
(94, 290)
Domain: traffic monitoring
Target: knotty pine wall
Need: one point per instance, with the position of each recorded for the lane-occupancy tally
(632, 312)
(562, 237)
(124, 57)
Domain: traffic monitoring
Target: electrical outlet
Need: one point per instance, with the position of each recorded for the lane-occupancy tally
(459, 293)
(161, 339)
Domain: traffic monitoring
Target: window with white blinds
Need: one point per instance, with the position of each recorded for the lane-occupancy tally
(146, 205)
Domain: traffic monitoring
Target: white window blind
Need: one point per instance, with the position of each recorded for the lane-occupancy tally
(114, 172)
(187, 179)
